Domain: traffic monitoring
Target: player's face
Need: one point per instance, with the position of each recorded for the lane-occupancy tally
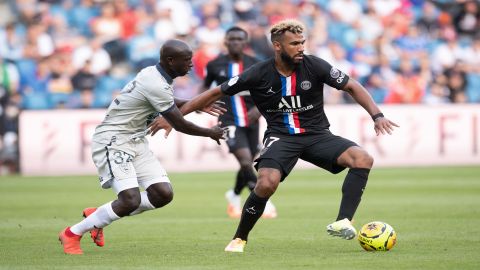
(291, 47)
(182, 63)
(235, 41)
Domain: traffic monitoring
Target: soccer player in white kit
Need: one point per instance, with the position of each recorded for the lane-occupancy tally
(120, 150)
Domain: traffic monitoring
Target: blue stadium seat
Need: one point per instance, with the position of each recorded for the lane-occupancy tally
(59, 99)
(473, 87)
(37, 101)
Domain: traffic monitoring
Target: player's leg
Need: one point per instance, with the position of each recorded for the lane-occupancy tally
(359, 163)
(153, 179)
(116, 170)
(237, 142)
(155, 196)
(247, 178)
(276, 160)
(245, 175)
(254, 146)
(334, 154)
(127, 201)
(267, 182)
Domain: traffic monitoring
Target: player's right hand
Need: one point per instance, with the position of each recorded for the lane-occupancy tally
(219, 133)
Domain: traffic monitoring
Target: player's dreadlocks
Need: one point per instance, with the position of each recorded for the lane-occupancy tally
(278, 29)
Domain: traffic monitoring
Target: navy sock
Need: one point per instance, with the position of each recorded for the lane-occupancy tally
(352, 191)
(239, 182)
(245, 177)
(252, 211)
(250, 178)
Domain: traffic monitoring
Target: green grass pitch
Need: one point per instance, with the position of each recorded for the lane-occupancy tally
(435, 211)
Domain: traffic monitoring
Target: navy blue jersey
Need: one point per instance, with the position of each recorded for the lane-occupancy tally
(290, 105)
(222, 69)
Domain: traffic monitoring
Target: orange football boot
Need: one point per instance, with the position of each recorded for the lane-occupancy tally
(70, 242)
(96, 233)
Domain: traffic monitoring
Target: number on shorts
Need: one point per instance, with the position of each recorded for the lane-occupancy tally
(120, 157)
(269, 141)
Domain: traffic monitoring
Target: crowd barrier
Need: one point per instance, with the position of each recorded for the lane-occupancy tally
(57, 142)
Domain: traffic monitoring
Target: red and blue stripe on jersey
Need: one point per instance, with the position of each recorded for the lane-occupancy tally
(239, 108)
(290, 119)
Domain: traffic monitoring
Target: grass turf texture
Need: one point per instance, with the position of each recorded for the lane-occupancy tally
(435, 212)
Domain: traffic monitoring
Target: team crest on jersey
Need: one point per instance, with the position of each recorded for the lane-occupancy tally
(334, 73)
(233, 81)
(306, 85)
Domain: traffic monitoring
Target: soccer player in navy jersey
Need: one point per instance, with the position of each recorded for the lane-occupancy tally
(241, 117)
(288, 92)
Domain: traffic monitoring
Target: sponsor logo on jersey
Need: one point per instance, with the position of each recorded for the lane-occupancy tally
(294, 101)
(270, 91)
(233, 81)
(290, 104)
(306, 85)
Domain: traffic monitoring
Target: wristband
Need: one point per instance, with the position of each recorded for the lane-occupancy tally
(376, 116)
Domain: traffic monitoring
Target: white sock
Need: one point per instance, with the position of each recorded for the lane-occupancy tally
(145, 204)
(103, 216)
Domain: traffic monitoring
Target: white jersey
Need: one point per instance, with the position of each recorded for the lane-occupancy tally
(141, 100)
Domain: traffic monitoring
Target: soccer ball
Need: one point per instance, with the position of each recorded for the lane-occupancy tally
(377, 236)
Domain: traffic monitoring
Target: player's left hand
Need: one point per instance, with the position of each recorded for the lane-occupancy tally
(383, 125)
(158, 124)
(216, 109)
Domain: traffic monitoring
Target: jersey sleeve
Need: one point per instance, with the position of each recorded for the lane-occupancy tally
(329, 74)
(160, 97)
(240, 83)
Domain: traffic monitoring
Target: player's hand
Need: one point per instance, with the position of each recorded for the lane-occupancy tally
(216, 109)
(383, 126)
(158, 124)
(219, 133)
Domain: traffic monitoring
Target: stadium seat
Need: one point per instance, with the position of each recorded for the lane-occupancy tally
(473, 87)
(37, 101)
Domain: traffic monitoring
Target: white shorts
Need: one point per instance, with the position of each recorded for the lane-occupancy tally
(127, 165)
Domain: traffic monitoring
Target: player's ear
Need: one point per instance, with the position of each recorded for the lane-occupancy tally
(170, 60)
(276, 45)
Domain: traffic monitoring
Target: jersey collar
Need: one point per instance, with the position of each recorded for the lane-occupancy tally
(164, 73)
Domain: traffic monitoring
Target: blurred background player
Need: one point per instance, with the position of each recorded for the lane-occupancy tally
(241, 117)
(120, 150)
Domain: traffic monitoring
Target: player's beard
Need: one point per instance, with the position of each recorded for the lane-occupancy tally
(287, 59)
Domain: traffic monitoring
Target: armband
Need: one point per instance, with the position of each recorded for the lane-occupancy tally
(376, 116)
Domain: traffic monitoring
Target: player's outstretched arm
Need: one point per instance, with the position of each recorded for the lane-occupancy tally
(204, 101)
(362, 97)
(216, 109)
(176, 120)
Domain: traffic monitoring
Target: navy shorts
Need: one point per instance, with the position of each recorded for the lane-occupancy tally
(282, 151)
(243, 137)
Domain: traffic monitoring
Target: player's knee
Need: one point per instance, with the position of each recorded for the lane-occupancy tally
(164, 199)
(130, 201)
(363, 160)
(160, 195)
(266, 186)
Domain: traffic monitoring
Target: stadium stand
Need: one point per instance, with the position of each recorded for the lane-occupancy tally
(79, 53)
